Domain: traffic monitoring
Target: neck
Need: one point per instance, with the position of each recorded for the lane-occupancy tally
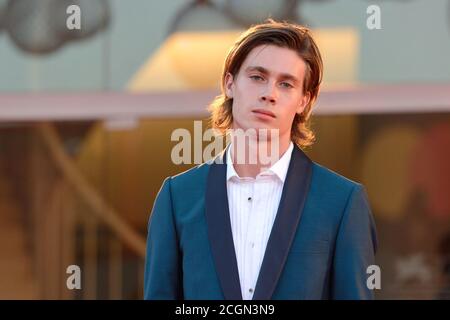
(251, 156)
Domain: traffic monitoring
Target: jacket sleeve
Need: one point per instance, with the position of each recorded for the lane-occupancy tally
(162, 275)
(355, 248)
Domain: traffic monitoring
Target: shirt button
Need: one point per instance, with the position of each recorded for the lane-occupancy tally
(253, 245)
(250, 290)
(249, 199)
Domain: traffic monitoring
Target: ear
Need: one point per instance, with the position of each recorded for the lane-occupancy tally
(229, 85)
(303, 103)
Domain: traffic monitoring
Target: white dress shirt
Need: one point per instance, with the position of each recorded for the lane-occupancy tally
(253, 205)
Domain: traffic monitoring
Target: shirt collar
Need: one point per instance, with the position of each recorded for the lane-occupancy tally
(279, 168)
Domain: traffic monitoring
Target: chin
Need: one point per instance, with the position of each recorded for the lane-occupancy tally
(255, 125)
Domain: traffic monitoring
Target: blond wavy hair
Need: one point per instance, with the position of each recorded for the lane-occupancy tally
(285, 35)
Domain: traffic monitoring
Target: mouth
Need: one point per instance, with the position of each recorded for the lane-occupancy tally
(264, 113)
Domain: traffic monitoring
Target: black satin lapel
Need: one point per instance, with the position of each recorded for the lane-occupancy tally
(295, 191)
(219, 229)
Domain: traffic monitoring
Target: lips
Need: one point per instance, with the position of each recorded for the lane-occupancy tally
(264, 112)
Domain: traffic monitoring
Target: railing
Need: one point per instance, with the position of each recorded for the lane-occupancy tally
(100, 208)
(72, 223)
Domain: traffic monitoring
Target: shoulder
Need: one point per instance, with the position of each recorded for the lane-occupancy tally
(333, 178)
(332, 187)
(187, 190)
(342, 199)
(196, 176)
(191, 178)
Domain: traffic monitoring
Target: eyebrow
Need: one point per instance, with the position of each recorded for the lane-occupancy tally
(266, 72)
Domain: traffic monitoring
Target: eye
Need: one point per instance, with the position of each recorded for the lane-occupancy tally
(286, 85)
(257, 78)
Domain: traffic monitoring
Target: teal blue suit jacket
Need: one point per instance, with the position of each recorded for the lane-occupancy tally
(322, 241)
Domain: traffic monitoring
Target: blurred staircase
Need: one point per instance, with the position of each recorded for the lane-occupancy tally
(16, 277)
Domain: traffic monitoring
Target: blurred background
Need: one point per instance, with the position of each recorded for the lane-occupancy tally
(86, 117)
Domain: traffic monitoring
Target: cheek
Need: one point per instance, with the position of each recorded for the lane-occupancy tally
(246, 89)
(293, 102)
(237, 109)
(241, 100)
(288, 114)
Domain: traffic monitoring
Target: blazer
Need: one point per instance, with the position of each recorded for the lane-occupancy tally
(322, 241)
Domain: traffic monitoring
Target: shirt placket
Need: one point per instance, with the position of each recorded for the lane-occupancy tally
(249, 255)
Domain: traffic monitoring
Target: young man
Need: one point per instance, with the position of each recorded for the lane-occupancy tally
(231, 229)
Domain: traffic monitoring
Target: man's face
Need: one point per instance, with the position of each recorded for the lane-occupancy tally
(267, 90)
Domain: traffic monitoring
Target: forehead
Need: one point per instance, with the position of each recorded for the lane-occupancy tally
(276, 60)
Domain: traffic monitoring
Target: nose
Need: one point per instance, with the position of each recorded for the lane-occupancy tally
(269, 94)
